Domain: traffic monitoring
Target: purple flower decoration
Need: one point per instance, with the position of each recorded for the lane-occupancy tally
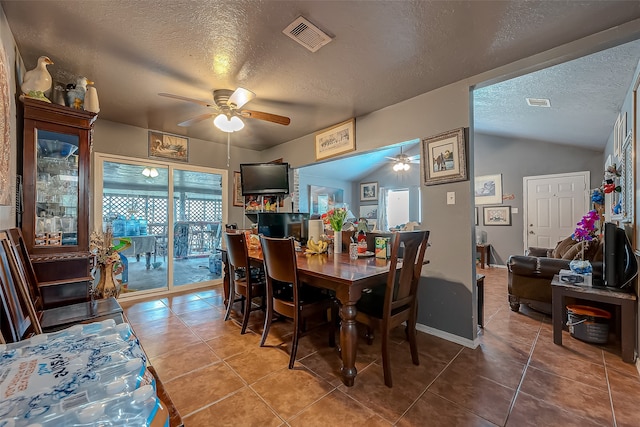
(585, 231)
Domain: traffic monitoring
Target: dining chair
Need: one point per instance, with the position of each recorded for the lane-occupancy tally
(57, 318)
(18, 319)
(288, 297)
(386, 307)
(245, 283)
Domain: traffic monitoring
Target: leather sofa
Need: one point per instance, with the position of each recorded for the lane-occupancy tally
(530, 275)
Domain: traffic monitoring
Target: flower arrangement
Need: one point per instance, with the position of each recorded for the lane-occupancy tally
(584, 232)
(105, 252)
(335, 218)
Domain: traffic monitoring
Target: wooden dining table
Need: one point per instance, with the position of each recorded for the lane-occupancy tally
(344, 276)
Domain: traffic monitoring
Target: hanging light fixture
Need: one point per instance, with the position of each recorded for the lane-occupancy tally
(150, 172)
(401, 166)
(226, 124)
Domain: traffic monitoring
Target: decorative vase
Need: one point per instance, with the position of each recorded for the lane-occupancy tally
(579, 266)
(337, 241)
(108, 285)
(91, 102)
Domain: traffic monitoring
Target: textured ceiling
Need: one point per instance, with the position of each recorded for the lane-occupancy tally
(382, 52)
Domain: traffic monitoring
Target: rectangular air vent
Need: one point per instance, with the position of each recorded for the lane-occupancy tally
(307, 34)
(538, 102)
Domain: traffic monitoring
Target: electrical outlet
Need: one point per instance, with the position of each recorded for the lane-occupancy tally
(451, 197)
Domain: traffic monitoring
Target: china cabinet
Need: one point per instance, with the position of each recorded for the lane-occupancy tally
(55, 220)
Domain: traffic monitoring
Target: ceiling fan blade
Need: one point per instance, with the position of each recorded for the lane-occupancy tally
(184, 98)
(391, 158)
(274, 118)
(240, 97)
(196, 119)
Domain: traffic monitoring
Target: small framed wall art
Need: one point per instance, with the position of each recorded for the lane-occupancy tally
(488, 189)
(497, 215)
(168, 146)
(238, 199)
(368, 191)
(336, 140)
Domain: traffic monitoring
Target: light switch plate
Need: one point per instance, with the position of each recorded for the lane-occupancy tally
(451, 197)
(514, 210)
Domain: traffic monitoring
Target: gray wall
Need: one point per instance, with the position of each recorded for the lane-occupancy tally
(494, 155)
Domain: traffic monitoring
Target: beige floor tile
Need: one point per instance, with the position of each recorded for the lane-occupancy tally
(244, 408)
(288, 391)
(258, 362)
(337, 409)
(184, 360)
(440, 413)
(199, 388)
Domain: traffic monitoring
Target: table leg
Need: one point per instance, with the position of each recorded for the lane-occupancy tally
(148, 260)
(348, 342)
(557, 314)
(225, 278)
(628, 321)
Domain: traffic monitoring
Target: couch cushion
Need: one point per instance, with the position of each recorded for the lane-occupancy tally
(574, 252)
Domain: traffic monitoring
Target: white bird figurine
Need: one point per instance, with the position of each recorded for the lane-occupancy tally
(91, 102)
(37, 81)
(75, 94)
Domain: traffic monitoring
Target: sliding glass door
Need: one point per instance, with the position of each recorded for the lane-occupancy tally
(172, 244)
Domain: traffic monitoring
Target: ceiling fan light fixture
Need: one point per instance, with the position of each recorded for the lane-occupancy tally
(227, 124)
(406, 166)
(150, 172)
(146, 172)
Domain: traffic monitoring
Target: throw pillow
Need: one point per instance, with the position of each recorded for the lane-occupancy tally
(562, 247)
(573, 252)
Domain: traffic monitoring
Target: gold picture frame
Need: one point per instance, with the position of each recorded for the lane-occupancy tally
(238, 198)
(168, 146)
(445, 158)
(336, 140)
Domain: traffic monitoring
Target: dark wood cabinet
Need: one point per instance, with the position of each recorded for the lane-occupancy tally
(55, 219)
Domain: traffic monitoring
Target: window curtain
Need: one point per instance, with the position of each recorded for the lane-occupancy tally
(382, 209)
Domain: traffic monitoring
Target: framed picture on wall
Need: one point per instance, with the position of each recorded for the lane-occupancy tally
(336, 140)
(166, 146)
(476, 215)
(445, 158)
(488, 189)
(497, 215)
(238, 199)
(368, 191)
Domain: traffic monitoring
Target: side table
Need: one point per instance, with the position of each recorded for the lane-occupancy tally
(625, 300)
(485, 254)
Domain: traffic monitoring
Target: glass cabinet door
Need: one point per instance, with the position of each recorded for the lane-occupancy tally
(56, 215)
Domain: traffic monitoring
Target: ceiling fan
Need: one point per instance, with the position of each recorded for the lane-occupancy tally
(227, 107)
(402, 162)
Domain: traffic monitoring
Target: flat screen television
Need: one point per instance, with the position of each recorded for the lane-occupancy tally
(283, 224)
(264, 178)
(620, 264)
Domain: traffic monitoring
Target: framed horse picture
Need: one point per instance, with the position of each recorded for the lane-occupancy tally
(445, 158)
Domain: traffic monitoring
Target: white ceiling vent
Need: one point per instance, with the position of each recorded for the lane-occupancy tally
(307, 34)
(538, 102)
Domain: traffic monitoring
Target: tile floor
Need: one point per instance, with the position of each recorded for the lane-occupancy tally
(515, 377)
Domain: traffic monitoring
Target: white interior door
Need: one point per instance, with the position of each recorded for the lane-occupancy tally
(553, 206)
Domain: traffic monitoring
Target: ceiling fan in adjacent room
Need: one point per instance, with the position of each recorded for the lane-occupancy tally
(227, 109)
(402, 162)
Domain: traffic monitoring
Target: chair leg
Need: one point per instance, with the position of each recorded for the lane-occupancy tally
(232, 299)
(267, 323)
(246, 314)
(370, 336)
(294, 343)
(332, 324)
(386, 366)
(413, 344)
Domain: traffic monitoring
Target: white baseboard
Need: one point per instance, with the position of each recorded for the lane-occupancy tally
(638, 364)
(447, 336)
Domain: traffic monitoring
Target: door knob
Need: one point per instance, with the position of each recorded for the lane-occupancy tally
(531, 232)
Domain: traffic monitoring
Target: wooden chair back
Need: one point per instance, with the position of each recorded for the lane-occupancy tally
(20, 249)
(237, 251)
(19, 319)
(402, 284)
(279, 257)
